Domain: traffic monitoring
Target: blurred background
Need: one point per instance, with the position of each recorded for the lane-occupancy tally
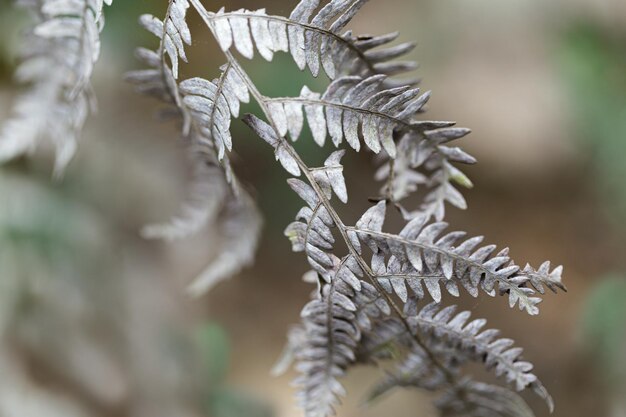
(95, 321)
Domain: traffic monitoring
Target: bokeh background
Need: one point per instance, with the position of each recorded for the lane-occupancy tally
(95, 322)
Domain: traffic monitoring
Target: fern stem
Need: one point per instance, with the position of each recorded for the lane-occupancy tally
(390, 180)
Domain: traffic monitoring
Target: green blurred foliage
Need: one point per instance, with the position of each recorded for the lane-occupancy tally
(11, 20)
(221, 399)
(57, 251)
(215, 346)
(593, 67)
(227, 402)
(604, 326)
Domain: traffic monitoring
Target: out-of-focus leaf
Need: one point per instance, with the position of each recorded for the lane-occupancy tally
(592, 64)
(233, 403)
(604, 325)
(215, 347)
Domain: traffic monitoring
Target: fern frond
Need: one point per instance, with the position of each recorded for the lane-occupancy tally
(206, 196)
(422, 255)
(238, 230)
(352, 106)
(455, 341)
(543, 276)
(425, 160)
(174, 33)
(331, 337)
(212, 103)
(204, 108)
(313, 41)
(355, 315)
(333, 324)
(418, 249)
(159, 81)
(59, 56)
(479, 345)
(355, 108)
